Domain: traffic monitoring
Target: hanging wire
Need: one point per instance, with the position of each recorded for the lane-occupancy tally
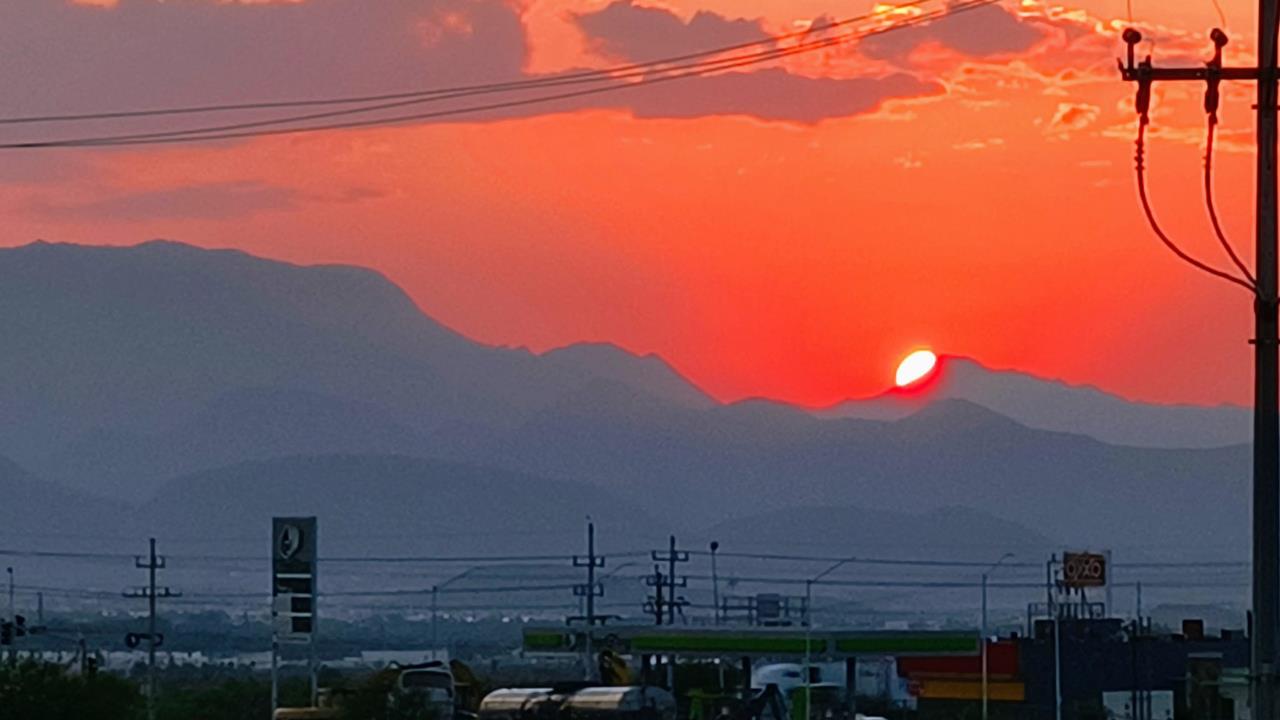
(1143, 105)
(1210, 132)
(602, 73)
(200, 134)
(1222, 16)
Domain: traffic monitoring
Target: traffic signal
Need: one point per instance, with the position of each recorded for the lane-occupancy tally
(6, 633)
(19, 626)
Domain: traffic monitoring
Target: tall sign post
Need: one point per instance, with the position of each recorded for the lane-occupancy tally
(293, 596)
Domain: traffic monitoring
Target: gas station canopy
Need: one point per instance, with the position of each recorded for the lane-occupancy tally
(749, 642)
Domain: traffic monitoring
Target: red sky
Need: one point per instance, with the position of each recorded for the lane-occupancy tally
(967, 189)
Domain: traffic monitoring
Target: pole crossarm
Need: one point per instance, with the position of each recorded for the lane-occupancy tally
(1212, 73)
(1145, 71)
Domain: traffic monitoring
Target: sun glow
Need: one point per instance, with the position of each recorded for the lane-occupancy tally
(915, 367)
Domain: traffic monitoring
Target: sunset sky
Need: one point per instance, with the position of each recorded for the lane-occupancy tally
(788, 231)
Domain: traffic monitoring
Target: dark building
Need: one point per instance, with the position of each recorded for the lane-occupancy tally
(1202, 674)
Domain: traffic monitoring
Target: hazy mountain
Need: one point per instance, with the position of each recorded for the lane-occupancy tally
(958, 531)
(30, 506)
(1053, 405)
(650, 374)
(395, 505)
(124, 367)
(699, 467)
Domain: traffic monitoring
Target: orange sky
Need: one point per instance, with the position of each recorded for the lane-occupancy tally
(793, 260)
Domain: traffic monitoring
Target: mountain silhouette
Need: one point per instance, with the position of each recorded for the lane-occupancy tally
(125, 368)
(1053, 405)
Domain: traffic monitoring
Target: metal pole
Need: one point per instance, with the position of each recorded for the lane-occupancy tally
(1110, 610)
(13, 653)
(808, 642)
(994, 566)
(808, 630)
(312, 654)
(275, 676)
(715, 582)
(435, 634)
(671, 578)
(151, 634)
(984, 646)
(591, 579)
(1057, 667)
(588, 665)
(1266, 421)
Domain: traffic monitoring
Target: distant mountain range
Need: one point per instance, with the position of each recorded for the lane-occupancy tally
(1050, 405)
(198, 392)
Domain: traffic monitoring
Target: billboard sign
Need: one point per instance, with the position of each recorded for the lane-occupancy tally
(293, 578)
(1084, 570)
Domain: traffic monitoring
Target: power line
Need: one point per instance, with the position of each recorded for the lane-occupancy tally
(1143, 105)
(561, 558)
(475, 88)
(195, 135)
(1211, 106)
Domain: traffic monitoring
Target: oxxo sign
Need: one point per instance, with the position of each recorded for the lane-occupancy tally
(293, 578)
(1084, 570)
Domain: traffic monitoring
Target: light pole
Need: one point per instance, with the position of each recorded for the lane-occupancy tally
(12, 610)
(808, 631)
(996, 564)
(715, 582)
(435, 592)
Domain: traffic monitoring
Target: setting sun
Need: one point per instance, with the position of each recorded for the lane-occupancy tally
(915, 367)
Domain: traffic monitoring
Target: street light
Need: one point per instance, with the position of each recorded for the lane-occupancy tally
(998, 563)
(808, 631)
(435, 591)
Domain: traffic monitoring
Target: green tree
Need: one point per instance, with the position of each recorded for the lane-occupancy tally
(34, 690)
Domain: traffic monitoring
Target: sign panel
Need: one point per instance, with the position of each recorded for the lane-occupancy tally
(293, 578)
(1084, 570)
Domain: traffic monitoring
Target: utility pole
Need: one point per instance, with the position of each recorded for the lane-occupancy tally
(1266, 413)
(151, 564)
(671, 557)
(589, 591)
(656, 605)
(12, 619)
(985, 575)
(715, 582)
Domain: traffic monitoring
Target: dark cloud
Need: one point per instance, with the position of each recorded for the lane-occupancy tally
(67, 58)
(143, 53)
(777, 95)
(634, 32)
(217, 201)
(984, 32)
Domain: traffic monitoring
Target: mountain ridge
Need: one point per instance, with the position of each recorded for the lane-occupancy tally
(126, 368)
